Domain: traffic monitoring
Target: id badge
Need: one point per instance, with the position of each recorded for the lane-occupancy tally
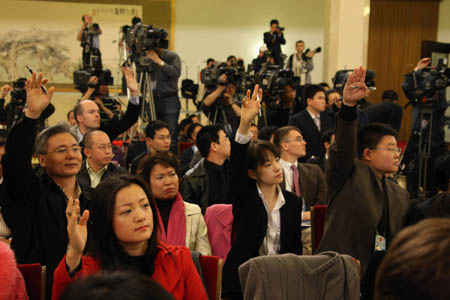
(380, 243)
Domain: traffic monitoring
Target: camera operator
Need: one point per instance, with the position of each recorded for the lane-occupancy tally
(221, 106)
(99, 93)
(287, 106)
(14, 109)
(88, 36)
(165, 71)
(263, 60)
(274, 39)
(301, 63)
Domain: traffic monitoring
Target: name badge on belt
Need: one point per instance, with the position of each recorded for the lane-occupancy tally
(380, 243)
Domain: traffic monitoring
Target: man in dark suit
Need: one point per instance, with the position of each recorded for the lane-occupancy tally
(305, 180)
(274, 39)
(365, 209)
(327, 140)
(387, 111)
(313, 120)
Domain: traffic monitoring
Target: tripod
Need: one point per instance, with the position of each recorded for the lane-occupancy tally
(148, 105)
(424, 154)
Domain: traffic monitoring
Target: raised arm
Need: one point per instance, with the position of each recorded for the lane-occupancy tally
(342, 151)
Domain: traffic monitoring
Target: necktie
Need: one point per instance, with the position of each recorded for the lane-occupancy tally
(317, 121)
(295, 181)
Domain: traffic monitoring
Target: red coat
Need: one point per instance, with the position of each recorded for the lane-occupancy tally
(174, 271)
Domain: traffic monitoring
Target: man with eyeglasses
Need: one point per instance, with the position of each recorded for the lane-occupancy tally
(305, 180)
(37, 199)
(365, 209)
(97, 166)
(157, 139)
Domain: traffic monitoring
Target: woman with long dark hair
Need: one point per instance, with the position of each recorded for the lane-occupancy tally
(267, 220)
(122, 236)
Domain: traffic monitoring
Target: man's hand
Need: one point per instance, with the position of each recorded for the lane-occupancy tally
(423, 63)
(99, 103)
(5, 90)
(310, 54)
(222, 80)
(250, 109)
(93, 80)
(130, 77)
(37, 101)
(355, 89)
(154, 57)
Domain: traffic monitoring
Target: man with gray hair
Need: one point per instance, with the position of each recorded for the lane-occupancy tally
(37, 199)
(97, 165)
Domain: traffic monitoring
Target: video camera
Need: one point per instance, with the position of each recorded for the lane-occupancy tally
(430, 82)
(235, 74)
(19, 92)
(272, 81)
(142, 38)
(81, 79)
(341, 76)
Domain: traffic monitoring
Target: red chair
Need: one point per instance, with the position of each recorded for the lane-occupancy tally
(34, 277)
(212, 273)
(318, 214)
(183, 146)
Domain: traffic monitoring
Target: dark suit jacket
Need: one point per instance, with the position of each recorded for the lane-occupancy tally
(320, 160)
(356, 200)
(311, 134)
(274, 42)
(385, 112)
(312, 184)
(250, 220)
(85, 180)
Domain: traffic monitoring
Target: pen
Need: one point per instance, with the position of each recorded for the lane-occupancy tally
(42, 87)
(372, 88)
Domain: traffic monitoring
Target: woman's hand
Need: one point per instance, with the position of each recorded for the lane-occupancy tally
(77, 232)
(250, 109)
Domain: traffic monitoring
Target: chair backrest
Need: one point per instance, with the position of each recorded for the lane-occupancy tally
(183, 146)
(219, 221)
(318, 214)
(34, 277)
(212, 273)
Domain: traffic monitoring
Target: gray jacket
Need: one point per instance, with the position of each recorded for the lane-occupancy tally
(166, 77)
(327, 276)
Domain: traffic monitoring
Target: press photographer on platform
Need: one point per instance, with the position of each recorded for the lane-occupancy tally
(88, 36)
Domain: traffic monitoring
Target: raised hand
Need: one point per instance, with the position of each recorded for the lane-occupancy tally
(355, 88)
(250, 109)
(130, 77)
(423, 63)
(5, 90)
(37, 100)
(77, 232)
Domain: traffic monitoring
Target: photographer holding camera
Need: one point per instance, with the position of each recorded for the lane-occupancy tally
(301, 62)
(274, 39)
(88, 36)
(14, 109)
(221, 106)
(286, 106)
(98, 91)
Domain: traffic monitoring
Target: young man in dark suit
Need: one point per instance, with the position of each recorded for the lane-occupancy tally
(305, 180)
(365, 209)
(313, 120)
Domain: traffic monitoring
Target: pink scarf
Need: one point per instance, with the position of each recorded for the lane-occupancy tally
(176, 233)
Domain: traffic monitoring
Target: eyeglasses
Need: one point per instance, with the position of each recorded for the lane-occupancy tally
(104, 147)
(390, 149)
(64, 150)
(162, 137)
(297, 139)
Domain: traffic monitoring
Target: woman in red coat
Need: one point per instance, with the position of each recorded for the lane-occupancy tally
(122, 236)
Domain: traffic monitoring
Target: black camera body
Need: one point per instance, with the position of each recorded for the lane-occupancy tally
(81, 79)
(142, 38)
(19, 92)
(432, 80)
(235, 74)
(273, 81)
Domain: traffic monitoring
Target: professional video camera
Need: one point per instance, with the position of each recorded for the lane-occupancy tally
(341, 76)
(272, 81)
(429, 83)
(81, 79)
(235, 73)
(19, 92)
(142, 38)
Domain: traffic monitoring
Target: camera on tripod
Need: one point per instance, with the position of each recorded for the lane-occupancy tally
(273, 81)
(142, 38)
(81, 79)
(235, 74)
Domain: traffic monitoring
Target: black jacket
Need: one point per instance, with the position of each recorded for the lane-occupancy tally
(35, 206)
(85, 180)
(311, 134)
(250, 221)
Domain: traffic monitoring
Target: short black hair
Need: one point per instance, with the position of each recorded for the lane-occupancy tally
(206, 136)
(324, 85)
(370, 136)
(167, 159)
(441, 171)
(390, 95)
(136, 20)
(210, 60)
(118, 285)
(274, 21)
(311, 90)
(184, 123)
(266, 132)
(230, 57)
(192, 128)
(257, 153)
(154, 126)
(192, 116)
(326, 136)
(331, 91)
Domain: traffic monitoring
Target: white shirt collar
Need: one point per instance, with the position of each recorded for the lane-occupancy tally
(312, 115)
